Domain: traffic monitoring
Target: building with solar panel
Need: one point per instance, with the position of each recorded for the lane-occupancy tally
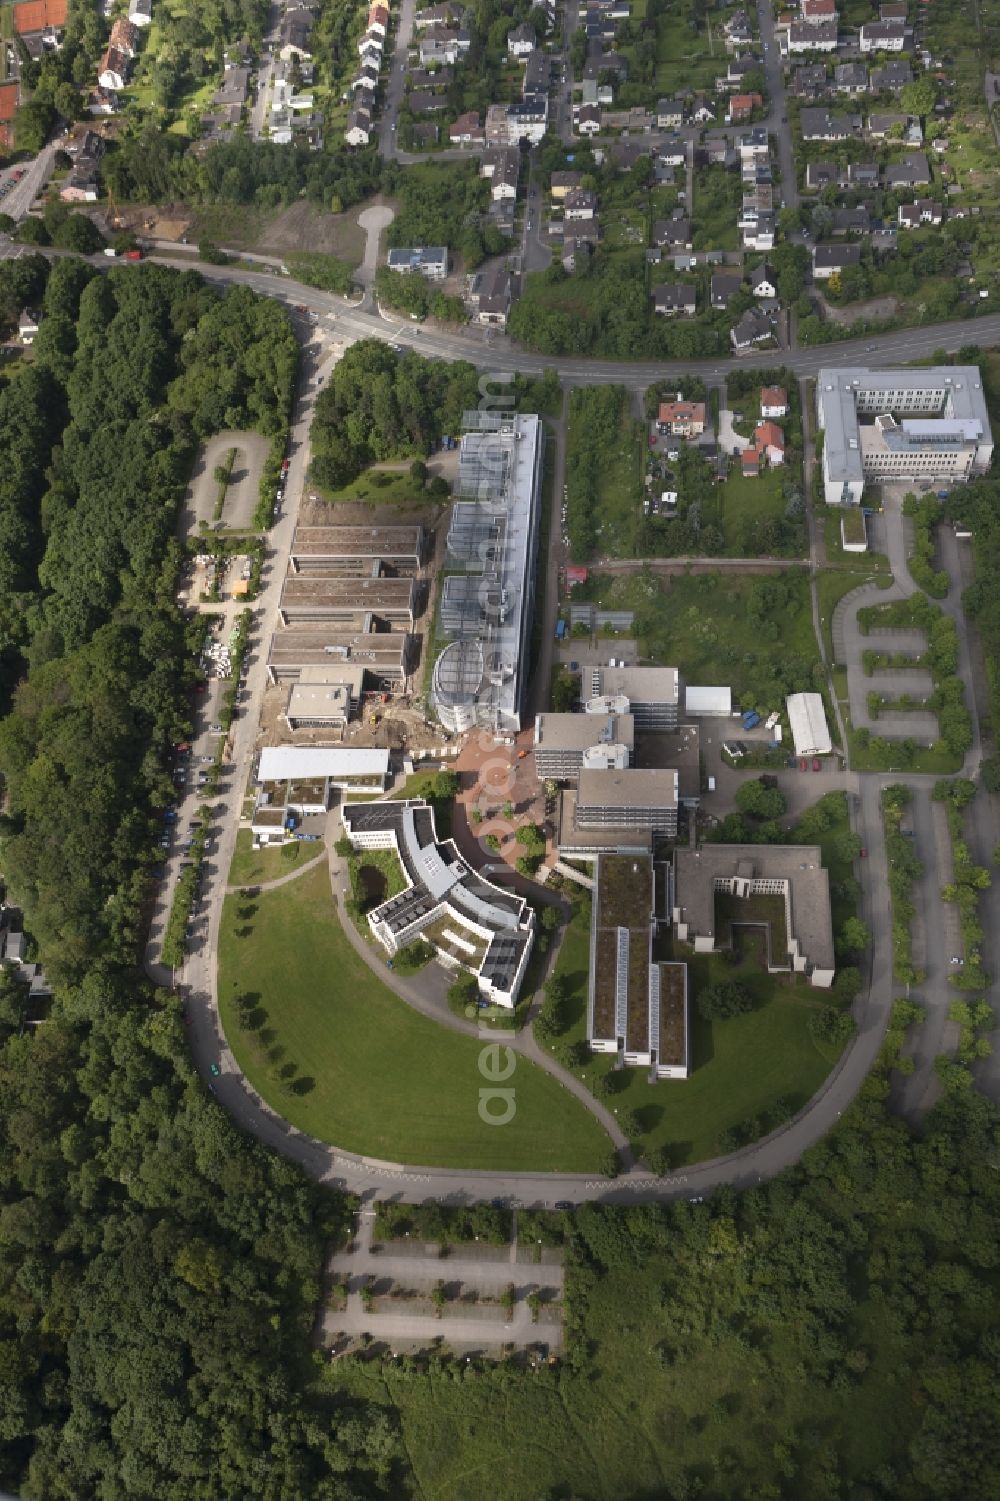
(488, 597)
(470, 923)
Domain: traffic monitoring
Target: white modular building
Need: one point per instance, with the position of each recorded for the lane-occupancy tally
(807, 718)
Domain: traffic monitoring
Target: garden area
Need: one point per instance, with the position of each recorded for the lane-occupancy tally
(342, 1058)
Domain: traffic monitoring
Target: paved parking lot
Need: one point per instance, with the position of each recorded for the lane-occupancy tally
(243, 490)
(473, 1278)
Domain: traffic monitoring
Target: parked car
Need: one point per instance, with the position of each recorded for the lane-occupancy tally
(817, 764)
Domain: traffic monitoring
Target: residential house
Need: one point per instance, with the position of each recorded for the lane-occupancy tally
(424, 102)
(764, 283)
(501, 165)
(753, 328)
(437, 15)
(882, 36)
(821, 125)
(430, 78)
(893, 10)
(625, 154)
(738, 32)
(823, 175)
(673, 299)
(490, 295)
(830, 260)
(378, 19)
(673, 233)
(537, 73)
(773, 401)
(634, 120)
(851, 221)
(521, 41)
(809, 81)
(862, 174)
(912, 172)
(430, 261)
(891, 77)
(466, 130)
(28, 325)
(742, 106)
(850, 78)
(805, 37)
(750, 462)
(882, 126)
(365, 78)
(760, 235)
(769, 441)
(140, 12)
(295, 35)
(673, 151)
(588, 121)
(579, 244)
(753, 143)
(113, 69)
(681, 419)
(739, 68)
(819, 12)
(669, 114)
(915, 215)
(358, 131)
(125, 37)
(702, 111)
(100, 101)
(563, 183)
(723, 288)
(440, 44)
(579, 205)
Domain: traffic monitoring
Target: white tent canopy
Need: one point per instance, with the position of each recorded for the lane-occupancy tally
(807, 718)
(708, 700)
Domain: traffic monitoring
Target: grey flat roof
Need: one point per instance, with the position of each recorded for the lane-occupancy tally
(642, 685)
(580, 731)
(358, 541)
(839, 391)
(633, 788)
(348, 593)
(695, 872)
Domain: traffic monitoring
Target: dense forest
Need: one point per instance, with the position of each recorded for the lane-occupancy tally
(833, 1334)
(158, 1271)
(381, 405)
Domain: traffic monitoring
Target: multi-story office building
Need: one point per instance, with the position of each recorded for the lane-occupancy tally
(901, 425)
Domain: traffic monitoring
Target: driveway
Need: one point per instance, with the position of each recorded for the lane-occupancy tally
(730, 441)
(374, 221)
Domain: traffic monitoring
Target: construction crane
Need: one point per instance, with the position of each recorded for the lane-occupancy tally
(116, 220)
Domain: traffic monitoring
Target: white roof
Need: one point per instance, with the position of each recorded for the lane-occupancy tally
(807, 718)
(283, 763)
(708, 700)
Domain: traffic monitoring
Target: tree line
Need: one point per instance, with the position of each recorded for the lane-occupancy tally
(158, 1271)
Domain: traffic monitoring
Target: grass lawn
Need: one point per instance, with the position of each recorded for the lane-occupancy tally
(700, 625)
(741, 1068)
(742, 502)
(251, 867)
(683, 58)
(613, 473)
(717, 198)
(384, 487)
(344, 1059)
(6, 22)
(833, 583)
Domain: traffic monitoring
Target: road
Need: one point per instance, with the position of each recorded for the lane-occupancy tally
(777, 118)
(394, 86)
(258, 114)
(36, 174)
(359, 1174)
(503, 355)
